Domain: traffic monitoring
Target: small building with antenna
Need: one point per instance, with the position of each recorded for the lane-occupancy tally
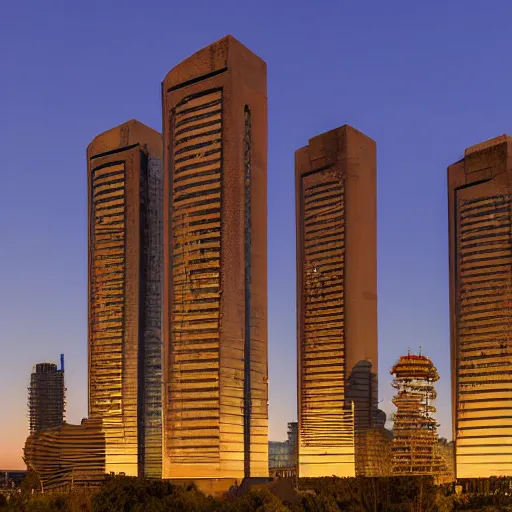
(46, 396)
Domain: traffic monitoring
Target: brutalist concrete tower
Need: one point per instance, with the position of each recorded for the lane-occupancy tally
(215, 265)
(125, 271)
(480, 224)
(336, 298)
(46, 397)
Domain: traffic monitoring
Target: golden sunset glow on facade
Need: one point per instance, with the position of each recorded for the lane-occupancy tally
(480, 225)
(336, 298)
(124, 184)
(215, 265)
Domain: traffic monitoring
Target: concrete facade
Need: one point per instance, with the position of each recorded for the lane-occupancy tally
(124, 190)
(215, 266)
(480, 223)
(336, 216)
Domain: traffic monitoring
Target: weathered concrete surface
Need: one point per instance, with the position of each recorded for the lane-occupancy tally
(480, 222)
(336, 298)
(215, 265)
(123, 269)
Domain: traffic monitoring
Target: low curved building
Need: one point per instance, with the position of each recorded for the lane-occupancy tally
(68, 456)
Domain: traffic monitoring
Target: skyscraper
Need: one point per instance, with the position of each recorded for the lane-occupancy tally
(215, 265)
(480, 224)
(46, 397)
(336, 298)
(125, 377)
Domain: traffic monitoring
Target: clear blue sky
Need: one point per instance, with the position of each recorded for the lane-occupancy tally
(423, 79)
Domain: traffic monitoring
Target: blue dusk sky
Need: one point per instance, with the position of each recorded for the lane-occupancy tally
(423, 79)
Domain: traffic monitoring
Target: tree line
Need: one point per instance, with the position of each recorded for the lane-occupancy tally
(127, 494)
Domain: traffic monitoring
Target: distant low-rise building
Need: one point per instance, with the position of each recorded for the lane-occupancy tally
(10, 479)
(278, 454)
(283, 454)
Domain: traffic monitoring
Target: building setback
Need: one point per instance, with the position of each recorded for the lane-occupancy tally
(215, 268)
(46, 397)
(480, 223)
(125, 257)
(336, 298)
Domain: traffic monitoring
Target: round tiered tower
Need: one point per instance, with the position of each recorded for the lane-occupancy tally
(415, 428)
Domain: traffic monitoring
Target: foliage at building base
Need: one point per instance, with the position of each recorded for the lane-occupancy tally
(331, 494)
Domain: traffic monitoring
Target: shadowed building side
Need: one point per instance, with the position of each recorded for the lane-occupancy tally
(215, 268)
(480, 224)
(362, 389)
(124, 188)
(336, 298)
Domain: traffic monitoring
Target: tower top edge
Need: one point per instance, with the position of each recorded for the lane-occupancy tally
(502, 139)
(129, 133)
(226, 53)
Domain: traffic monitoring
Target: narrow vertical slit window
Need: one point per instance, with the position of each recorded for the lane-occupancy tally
(247, 330)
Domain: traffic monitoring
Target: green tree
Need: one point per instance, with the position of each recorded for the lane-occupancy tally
(258, 499)
(314, 503)
(30, 482)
